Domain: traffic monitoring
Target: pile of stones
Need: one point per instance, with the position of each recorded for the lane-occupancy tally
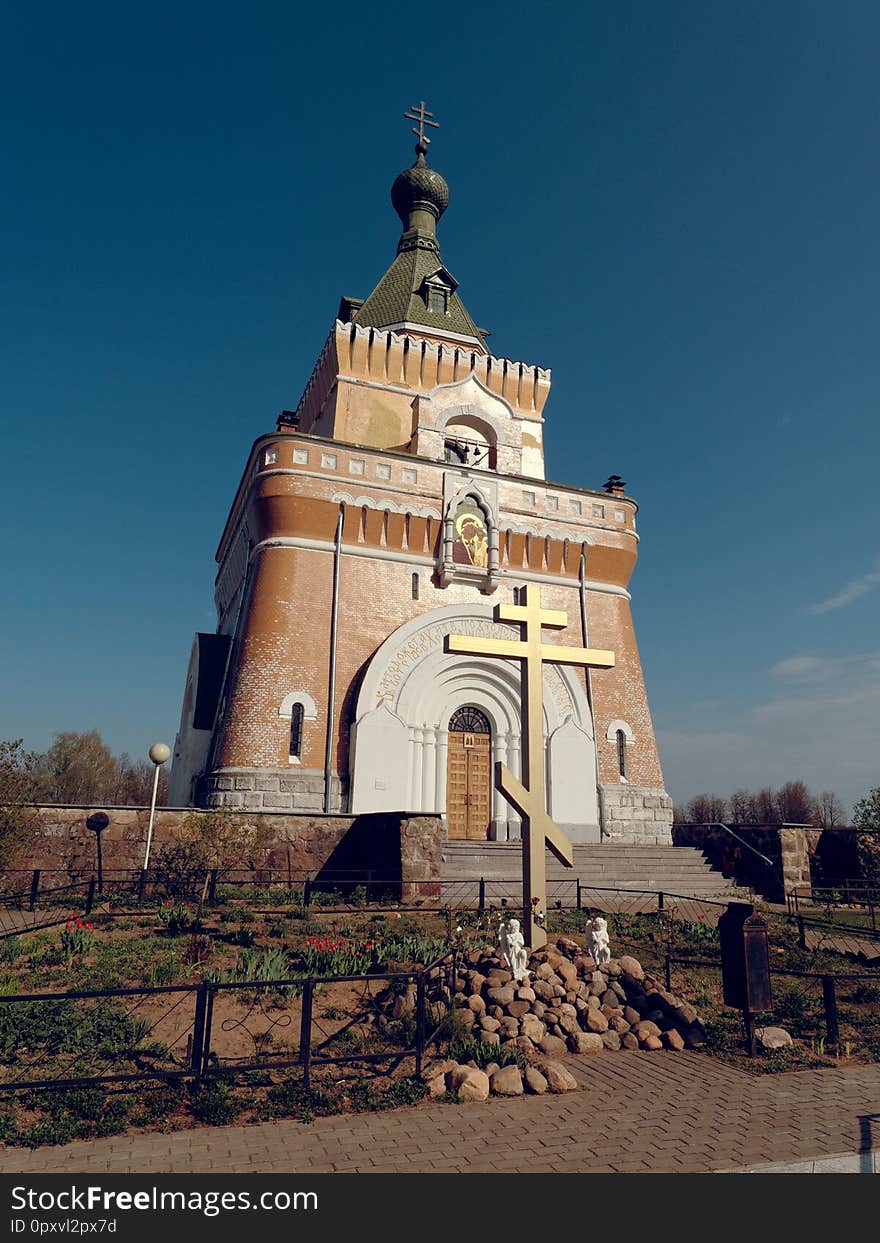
(568, 1004)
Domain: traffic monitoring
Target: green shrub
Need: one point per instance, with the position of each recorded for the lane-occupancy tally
(176, 918)
(479, 1051)
(211, 1103)
(291, 1100)
(10, 949)
(723, 1035)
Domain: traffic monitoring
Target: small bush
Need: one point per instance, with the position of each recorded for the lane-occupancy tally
(291, 1100)
(10, 949)
(212, 1104)
(482, 1053)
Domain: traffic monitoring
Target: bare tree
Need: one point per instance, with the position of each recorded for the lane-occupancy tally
(18, 821)
(795, 804)
(707, 809)
(742, 807)
(828, 811)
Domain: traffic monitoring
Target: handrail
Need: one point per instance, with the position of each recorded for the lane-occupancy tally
(742, 841)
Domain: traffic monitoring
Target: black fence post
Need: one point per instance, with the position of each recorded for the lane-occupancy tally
(305, 1032)
(802, 934)
(832, 1026)
(873, 918)
(660, 900)
(420, 1021)
(668, 967)
(212, 887)
(481, 903)
(206, 1039)
(307, 892)
(35, 889)
(142, 884)
(578, 903)
(198, 1036)
(90, 896)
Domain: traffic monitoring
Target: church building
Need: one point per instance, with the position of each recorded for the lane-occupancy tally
(402, 499)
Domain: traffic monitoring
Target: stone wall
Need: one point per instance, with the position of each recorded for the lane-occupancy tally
(789, 848)
(640, 814)
(270, 789)
(400, 849)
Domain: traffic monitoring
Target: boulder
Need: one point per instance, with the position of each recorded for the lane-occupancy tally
(586, 1042)
(596, 1021)
(524, 993)
(652, 1043)
(490, 1038)
(507, 1082)
(476, 1004)
(517, 1009)
(610, 1040)
(619, 1025)
(646, 1028)
(631, 1015)
(533, 1028)
(558, 1078)
(673, 1040)
(771, 1038)
(629, 1041)
(436, 1085)
(501, 996)
(551, 1045)
(476, 982)
(488, 1024)
(469, 1083)
(546, 972)
(631, 967)
(467, 1018)
(535, 1081)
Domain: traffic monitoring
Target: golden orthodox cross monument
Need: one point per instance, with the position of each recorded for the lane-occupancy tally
(538, 830)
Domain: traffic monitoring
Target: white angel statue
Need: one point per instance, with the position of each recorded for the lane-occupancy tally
(597, 940)
(513, 948)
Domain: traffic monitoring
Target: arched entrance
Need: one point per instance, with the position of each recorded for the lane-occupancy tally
(468, 775)
(410, 693)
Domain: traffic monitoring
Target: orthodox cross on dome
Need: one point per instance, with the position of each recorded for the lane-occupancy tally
(424, 118)
(538, 830)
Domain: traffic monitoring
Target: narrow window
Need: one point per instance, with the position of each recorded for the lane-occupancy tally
(621, 753)
(415, 586)
(297, 713)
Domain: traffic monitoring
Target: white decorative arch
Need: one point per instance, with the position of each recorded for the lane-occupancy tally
(310, 708)
(411, 689)
(625, 727)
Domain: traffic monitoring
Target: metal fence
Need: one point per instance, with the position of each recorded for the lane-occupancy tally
(192, 1031)
(817, 998)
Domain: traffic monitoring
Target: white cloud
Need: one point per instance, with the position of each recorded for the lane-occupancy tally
(853, 590)
(796, 666)
(803, 668)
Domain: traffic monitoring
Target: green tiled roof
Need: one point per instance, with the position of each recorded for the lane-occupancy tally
(400, 297)
(420, 196)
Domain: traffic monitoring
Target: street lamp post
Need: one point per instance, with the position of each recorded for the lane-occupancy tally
(97, 823)
(160, 752)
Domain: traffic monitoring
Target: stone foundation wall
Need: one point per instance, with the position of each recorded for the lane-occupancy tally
(403, 849)
(271, 789)
(640, 814)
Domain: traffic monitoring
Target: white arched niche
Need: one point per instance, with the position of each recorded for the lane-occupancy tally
(411, 689)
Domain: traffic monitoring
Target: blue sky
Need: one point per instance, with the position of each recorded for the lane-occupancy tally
(675, 207)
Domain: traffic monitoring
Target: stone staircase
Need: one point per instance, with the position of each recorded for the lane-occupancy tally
(676, 870)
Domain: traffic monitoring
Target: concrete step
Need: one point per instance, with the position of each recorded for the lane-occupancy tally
(677, 870)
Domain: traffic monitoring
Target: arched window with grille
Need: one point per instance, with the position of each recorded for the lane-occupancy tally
(621, 754)
(297, 716)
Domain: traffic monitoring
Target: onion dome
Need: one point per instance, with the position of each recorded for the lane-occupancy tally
(419, 188)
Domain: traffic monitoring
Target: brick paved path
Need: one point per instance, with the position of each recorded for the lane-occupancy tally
(661, 1112)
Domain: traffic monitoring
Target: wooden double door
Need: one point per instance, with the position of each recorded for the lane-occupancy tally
(469, 776)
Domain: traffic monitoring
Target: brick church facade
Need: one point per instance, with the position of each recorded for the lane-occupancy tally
(399, 503)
